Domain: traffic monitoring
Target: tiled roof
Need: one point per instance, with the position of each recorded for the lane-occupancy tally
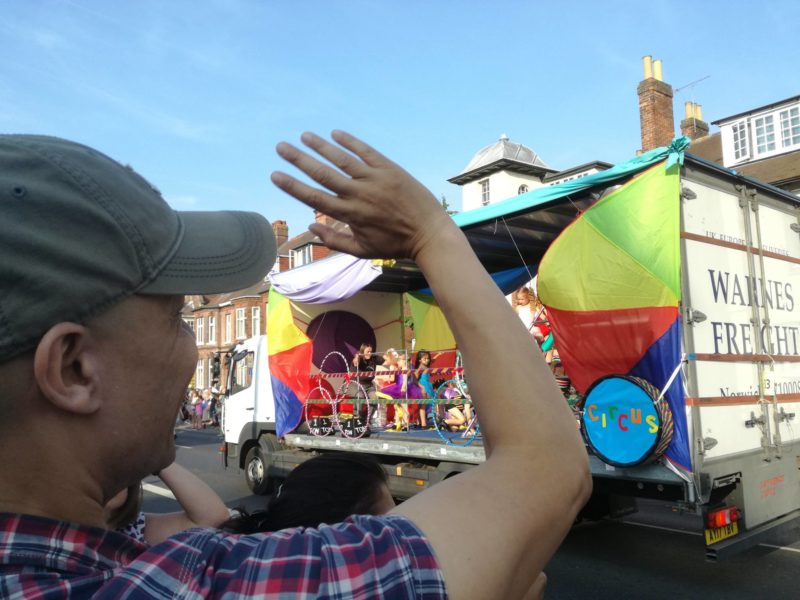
(708, 147)
(777, 170)
(502, 155)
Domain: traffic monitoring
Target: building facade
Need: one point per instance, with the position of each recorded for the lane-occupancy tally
(506, 169)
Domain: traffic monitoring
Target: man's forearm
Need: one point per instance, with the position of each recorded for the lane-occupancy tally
(488, 332)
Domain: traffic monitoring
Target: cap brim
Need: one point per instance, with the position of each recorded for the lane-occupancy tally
(218, 252)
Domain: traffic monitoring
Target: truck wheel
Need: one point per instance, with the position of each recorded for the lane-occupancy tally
(255, 472)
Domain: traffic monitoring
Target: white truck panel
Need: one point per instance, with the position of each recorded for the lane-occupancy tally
(713, 213)
(725, 424)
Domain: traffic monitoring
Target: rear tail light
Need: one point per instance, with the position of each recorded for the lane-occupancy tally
(722, 516)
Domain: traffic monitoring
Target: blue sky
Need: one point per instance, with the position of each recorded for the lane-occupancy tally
(195, 94)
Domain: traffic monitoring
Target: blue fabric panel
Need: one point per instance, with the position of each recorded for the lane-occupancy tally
(288, 408)
(656, 366)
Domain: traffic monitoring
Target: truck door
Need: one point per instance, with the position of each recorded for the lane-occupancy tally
(241, 401)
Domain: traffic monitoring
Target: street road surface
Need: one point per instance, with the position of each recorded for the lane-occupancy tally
(649, 556)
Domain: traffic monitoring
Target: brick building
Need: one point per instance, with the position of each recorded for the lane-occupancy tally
(220, 321)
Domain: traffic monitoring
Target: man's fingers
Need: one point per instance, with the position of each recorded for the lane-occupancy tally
(361, 149)
(338, 240)
(315, 198)
(319, 172)
(343, 160)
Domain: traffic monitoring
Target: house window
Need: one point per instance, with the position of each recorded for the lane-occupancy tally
(301, 256)
(210, 367)
(256, 321)
(228, 328)
(485, 192)
(212, 330)
(522, 189)
(199, 381)
(240, 324)
(200, 332)
(189, 322)
(790, 127)
(741, 149)
(765, 134)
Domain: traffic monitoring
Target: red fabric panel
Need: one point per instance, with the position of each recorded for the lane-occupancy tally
(593, 344)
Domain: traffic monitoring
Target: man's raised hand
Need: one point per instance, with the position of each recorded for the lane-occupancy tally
(390, 214)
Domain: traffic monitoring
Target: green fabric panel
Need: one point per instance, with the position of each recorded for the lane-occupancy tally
(583, 271)
(430, 326)
(643, 219)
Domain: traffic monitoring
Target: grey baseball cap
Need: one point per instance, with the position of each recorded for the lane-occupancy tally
(80, 232)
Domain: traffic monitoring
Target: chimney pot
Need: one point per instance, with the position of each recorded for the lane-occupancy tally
(657, 73)
(647, 62)
(693, 125)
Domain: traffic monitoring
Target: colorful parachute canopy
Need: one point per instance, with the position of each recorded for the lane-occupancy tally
(611, 284)
(289, 352)
(430, 326)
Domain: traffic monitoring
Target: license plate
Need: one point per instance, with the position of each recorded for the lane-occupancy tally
(715, 535)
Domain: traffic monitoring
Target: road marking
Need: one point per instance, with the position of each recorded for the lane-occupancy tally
(184, 447)
(787, 548)
(154, 489)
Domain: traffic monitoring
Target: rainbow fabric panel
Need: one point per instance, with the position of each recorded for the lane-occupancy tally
(611, 285)
(290, 352)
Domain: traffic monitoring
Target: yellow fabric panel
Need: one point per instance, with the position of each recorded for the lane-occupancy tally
(430, 326)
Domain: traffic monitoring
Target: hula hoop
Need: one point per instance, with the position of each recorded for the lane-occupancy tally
(454, 434)
(340, 393)
(458, 376)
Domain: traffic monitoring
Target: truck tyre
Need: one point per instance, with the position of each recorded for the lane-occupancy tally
(255, 471)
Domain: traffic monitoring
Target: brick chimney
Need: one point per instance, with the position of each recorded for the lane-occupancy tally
(323, 219)
(281, 230)
(655, 107)
(693, 125)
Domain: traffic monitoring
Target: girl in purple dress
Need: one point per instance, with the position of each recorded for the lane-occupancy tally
(402, 389)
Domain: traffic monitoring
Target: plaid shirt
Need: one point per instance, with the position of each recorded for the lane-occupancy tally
(364, 557)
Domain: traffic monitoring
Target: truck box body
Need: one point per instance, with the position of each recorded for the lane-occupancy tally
(740, 335)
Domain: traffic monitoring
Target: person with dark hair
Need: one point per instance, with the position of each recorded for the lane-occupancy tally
(365, 361)
(325, 489)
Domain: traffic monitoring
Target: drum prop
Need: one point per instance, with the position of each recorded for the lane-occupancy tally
(624, 422)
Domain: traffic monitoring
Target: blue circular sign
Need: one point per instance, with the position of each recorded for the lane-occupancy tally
(621, 421)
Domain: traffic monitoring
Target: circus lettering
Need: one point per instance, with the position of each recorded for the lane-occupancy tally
(623, 420)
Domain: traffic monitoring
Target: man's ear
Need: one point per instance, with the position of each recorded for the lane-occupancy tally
(66, 370)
